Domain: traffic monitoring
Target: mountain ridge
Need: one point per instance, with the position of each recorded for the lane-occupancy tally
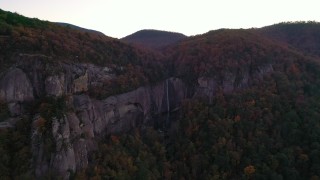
(154, 39)
(302, 35)
(80, 28)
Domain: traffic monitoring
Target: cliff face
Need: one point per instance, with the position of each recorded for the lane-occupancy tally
(74, 133)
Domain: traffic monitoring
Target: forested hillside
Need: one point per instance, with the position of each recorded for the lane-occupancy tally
(268, 129)
(20, 36)
(227, 104)
(303, 36)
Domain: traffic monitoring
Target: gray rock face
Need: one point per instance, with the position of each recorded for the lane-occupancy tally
(5, 125)
(57, 78)
(141, 103)
(74, 136)
(97, 75)
(123, 112)
(15, 109)
(62, 159)
(208, 87)
(15, 86)
(54, 85)
(79, 144)
(81, 83)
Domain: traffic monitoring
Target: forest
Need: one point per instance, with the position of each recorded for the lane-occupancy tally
(266, 127)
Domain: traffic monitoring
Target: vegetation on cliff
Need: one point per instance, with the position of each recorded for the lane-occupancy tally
(134, 67)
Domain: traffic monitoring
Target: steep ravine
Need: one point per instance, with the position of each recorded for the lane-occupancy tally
(75, 132)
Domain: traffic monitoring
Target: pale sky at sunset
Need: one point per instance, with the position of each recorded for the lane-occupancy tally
(118, 18)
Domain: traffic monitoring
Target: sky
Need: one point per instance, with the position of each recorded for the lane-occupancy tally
(118, 18)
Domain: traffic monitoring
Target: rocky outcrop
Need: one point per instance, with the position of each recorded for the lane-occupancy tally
(52, 78)
(79, 142)
(15, 86)
(74, 135)
(54, 85)
(123, 112)
(146, 101)
(230, 82)
(61, 160)
(81, 84)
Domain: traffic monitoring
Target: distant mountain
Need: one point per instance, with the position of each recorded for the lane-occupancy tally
(303, 36)
(153, 39)
(79, 28)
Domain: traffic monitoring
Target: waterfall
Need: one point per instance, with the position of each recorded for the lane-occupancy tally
(168, 103)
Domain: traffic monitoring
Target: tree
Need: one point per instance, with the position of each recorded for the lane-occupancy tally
(249, 170)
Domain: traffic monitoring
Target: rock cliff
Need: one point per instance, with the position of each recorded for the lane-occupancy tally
(74, 134)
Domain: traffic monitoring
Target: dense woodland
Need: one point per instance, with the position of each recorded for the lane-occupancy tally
(268, 130)
(302, 36)
(134, 67)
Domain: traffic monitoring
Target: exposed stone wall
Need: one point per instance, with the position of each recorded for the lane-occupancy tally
(74, 135)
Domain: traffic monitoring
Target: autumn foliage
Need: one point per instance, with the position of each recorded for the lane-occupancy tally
(269, 129)
(249, 170)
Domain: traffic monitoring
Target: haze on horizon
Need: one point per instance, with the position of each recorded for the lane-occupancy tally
(118, 18)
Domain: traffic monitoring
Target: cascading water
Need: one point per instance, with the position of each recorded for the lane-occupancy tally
(168, 103)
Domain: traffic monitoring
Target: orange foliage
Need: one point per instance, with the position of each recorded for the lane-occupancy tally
(294, 69)
(237, 118)
(115, 139)
(315, 177)
(249, 170)
(40, 123)
(251, 103)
